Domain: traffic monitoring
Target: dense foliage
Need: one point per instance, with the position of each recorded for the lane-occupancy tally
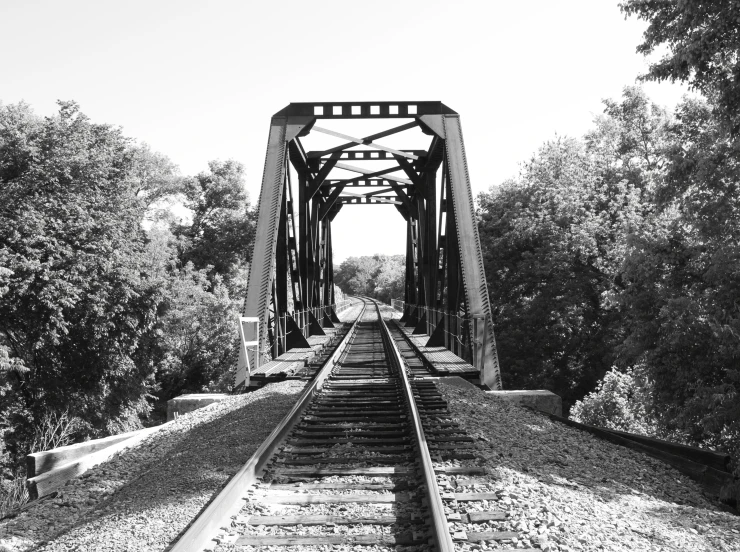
(97, 314)
(379, 276)
(620, 401)
(74, 304)
(617, 251)
(553, 242)
(681, 282)
(702, 43)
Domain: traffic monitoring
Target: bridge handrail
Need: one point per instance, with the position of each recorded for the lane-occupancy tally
(455, 326)
(300, 317)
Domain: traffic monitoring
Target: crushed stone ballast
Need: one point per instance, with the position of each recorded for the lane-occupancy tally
(550, 487)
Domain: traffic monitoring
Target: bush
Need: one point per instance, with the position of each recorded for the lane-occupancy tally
(620, 402)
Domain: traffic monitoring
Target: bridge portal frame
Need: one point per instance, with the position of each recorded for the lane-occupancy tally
(290, 285)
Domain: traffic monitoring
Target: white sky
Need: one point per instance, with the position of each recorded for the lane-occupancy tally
(200, 80)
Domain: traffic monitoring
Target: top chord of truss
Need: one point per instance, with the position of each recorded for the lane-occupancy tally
(365, 110)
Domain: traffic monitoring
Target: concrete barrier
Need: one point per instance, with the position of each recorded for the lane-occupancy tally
(187, 403)
(539, 399)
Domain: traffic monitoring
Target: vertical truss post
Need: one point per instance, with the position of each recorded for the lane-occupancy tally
(327, 271)
(430, 249)
(419, 254)
(304, 221)
(330, 277)
(316, 262)
(281, 277)
(410, 286)
(452, 306)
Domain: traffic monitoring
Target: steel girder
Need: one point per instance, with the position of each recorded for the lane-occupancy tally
(290, 287)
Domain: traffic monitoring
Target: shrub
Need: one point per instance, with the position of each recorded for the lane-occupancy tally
(620, 401)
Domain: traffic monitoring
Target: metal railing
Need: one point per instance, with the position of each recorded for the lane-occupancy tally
(459, 331)
(342, 305)
(303, 321)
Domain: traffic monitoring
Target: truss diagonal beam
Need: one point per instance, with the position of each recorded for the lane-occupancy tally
(381, 191)
(409, 170)
(330, 201)
(365, 176)
(405, 199)
(368, 172)
(389, 132)
(321, 176)
(365, 142)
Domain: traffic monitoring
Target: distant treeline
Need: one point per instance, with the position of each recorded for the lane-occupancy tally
(378, 276)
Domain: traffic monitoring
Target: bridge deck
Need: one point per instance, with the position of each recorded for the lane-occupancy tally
(294, 361)
(439, 360)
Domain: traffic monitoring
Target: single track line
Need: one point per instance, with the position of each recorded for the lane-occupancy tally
(369, 456)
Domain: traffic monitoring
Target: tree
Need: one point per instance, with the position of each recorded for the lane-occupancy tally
(703, 45)
(681, 284)
(554, 240)
(199, 336)
(97, 314)
(629, 139)
(223, 226)
(390, 278)
(155, 181)
(74, 304)
(541, 238)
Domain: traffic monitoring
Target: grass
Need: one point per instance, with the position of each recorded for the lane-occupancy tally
(13, 495)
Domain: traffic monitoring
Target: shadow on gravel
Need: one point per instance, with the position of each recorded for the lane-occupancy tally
(174, 476)
(530, 443)
(608, 471)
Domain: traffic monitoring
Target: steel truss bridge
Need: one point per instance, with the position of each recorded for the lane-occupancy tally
(290, 288)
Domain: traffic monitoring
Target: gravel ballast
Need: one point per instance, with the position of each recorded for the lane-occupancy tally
(144, 498)
(561, 489)
(567, 490)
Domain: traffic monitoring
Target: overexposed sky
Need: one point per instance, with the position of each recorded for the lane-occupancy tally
(200, 80)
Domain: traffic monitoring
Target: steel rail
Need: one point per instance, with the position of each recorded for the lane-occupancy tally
(228, 502)
(440, 530)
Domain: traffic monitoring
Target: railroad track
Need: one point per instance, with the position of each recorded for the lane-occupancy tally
(368, 457)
